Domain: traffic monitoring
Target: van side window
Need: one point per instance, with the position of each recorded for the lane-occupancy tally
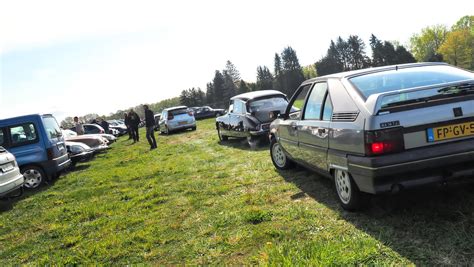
(315, 102)
(23, 134)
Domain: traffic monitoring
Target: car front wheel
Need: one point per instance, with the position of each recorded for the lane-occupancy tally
(348, 193)
(279, 158)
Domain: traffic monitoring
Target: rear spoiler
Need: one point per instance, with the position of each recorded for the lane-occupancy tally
(374, 102)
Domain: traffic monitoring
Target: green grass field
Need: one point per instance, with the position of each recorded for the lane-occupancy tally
(196, 201)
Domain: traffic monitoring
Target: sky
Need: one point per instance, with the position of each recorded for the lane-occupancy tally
(77, 57)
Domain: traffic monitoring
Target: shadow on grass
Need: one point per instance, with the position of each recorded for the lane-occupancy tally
(7, 204)
(242, 144)
(429, 226)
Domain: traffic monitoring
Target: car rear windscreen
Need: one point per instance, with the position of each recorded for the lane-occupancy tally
(52, 128)
(392, 80)
(178, 111)
(268, 104)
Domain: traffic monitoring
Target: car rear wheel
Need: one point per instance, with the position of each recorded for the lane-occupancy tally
(221, 136)
(279, 158)
(34, 176)
(347, 191)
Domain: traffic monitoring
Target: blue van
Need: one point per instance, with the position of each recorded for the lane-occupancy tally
(38, 145)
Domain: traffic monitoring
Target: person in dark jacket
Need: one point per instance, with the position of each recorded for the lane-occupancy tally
(127, 124)
(134, 122)
(105, 125)
(150, 127)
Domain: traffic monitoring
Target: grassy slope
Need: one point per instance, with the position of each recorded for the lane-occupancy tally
(195, 201)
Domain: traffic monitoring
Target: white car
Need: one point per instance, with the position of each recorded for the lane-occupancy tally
(10, 176)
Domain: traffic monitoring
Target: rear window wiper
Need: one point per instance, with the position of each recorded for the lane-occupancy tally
(409, 101)
(445, 91)
(457, 89)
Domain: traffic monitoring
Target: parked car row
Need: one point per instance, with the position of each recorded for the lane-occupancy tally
(33, 149)
(371, 131)
(206, 112)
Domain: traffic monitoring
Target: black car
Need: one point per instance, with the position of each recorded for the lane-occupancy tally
(250, 114)
(206, 112)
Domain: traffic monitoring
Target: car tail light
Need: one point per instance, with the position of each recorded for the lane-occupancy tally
(49, 153)
(384, 141)
(170, 116)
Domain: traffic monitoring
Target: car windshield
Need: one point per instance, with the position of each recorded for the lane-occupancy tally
(268, 104)
(52, 128)
(393, 80)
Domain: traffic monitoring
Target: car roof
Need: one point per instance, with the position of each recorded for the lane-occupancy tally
(175, 108)
(353, 73)
(257, 94)
(24, 117)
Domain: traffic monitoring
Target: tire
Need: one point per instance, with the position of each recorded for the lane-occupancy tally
(221, 136)
(193, 129)
(279, 158)
(34, 176)
(347, 192)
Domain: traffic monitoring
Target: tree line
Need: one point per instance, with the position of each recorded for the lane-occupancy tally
(433, 43)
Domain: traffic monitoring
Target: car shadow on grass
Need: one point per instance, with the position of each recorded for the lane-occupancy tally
(7, 204)
(426, 226)
(242, 144)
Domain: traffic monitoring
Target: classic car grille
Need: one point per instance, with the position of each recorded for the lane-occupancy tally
(344, 116)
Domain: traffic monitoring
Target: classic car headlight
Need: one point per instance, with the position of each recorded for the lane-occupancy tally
(77, 149)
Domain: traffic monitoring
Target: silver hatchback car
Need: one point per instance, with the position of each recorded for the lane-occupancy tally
(177, 118)
(380, 130)
(10, 176)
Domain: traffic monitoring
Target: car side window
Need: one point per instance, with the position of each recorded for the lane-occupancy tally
(231, 107)
(297, 103)
(315, 102)
(239, 107)
(23, 134)
(327, 109)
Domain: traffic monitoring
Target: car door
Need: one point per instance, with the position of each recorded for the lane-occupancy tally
(287, 129)
(236, 119)
(313, 128)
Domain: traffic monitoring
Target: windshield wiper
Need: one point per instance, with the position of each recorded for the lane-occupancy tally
(457, 89)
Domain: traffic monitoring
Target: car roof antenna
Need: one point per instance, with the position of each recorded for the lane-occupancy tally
(396, 68)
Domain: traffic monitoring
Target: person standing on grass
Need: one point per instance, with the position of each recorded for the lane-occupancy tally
(105, 125)
(150, 127)
(126, 119)
(134, 122)
(79, 126)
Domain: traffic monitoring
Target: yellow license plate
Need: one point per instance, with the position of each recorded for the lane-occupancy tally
(450, 131)
(183, 122)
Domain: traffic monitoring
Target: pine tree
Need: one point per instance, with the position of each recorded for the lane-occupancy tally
(232, 71)
(243, 87)
(278, 83)
(219, 90)
(210, 94)
(229, 86)
(293, 74)
(264, 78)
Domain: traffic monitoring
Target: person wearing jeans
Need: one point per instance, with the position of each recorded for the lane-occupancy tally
(150, 127)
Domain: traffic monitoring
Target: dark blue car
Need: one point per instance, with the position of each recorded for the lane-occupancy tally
(38, 145)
